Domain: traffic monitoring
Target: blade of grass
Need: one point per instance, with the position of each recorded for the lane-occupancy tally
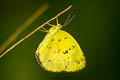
(31, 19)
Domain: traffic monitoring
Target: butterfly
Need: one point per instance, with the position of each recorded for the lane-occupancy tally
(59, 51)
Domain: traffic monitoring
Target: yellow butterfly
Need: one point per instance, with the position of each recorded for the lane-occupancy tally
(59, 51)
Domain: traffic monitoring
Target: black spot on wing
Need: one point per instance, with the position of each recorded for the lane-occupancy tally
(78, 62)
(65, 67)
(73, 46)
(54, 51)
(69, 48)
(49, 60)
(65, 52)
(49, 47)
(59, 40)
(58, 50)
(52, 40)
(65, 38)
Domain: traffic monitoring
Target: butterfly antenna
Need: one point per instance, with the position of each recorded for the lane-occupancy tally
(69, 21)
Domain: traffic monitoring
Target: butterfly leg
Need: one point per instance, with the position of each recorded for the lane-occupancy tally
(53, 25)
(44, 30)
(50, 24)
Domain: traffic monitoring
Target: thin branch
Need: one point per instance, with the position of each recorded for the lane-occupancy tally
(13, 46)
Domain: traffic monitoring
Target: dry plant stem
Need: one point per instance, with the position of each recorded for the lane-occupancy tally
(25, 25)
(9, 49)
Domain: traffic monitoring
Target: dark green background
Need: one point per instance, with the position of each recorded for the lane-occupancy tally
(95, 28)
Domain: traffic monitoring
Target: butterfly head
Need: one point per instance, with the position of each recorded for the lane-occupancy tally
(55, 28)
(58, 26)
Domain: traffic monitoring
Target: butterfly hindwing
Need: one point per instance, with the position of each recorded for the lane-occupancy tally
(60, 52)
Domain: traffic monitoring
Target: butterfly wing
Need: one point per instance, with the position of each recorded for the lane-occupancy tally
(60, 52)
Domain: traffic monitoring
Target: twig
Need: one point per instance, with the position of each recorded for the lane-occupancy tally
(9, 49)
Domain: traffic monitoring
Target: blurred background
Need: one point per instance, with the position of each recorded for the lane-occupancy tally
(95, 27)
